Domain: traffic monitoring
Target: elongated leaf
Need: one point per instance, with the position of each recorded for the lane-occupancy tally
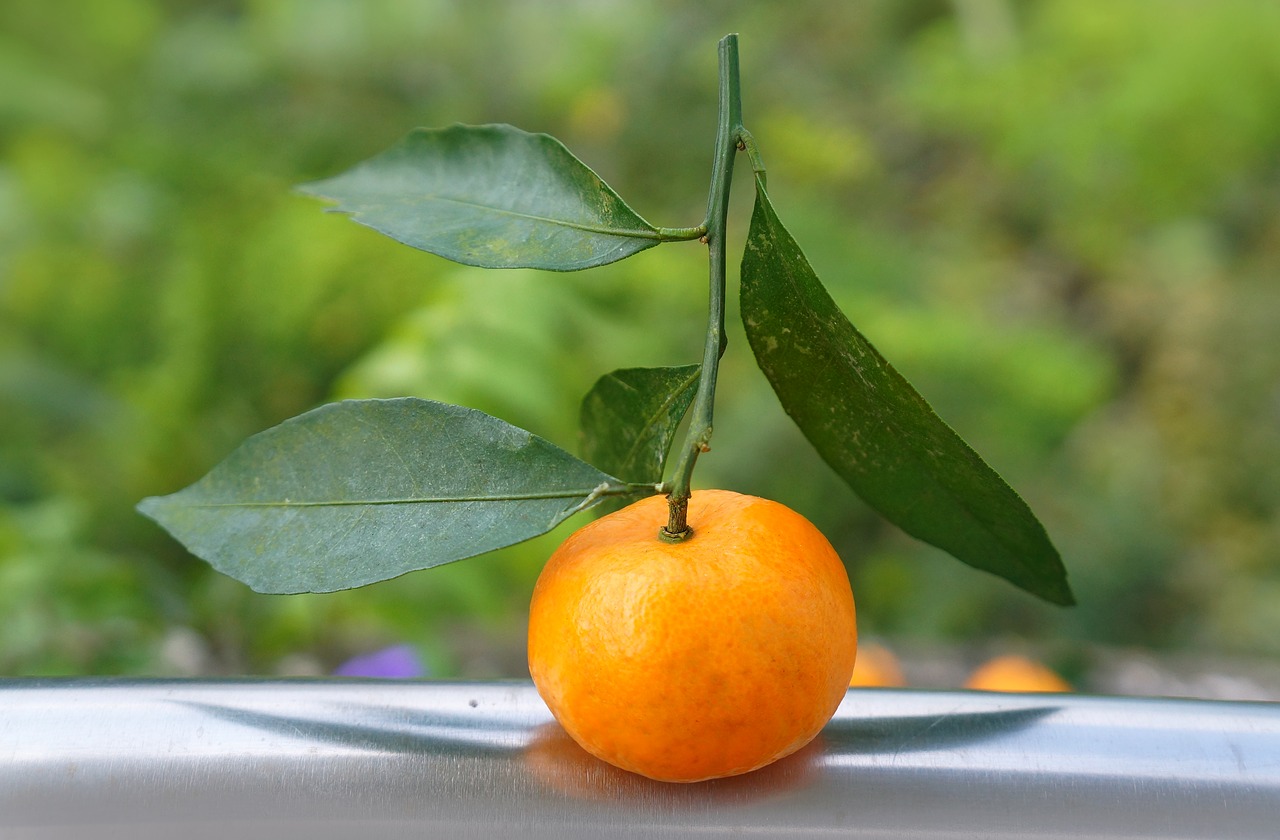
(364, 490)
(874, 429)
(630, 416)
(491, 196)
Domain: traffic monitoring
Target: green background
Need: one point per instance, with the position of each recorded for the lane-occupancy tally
(1059, 219)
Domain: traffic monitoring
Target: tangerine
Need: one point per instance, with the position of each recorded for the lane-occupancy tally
(699, 659)
(1015, 673)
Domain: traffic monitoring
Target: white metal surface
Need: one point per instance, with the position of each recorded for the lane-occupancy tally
(372, 760)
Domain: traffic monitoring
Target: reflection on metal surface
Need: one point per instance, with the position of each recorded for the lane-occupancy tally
(565, 769)
(372, 759)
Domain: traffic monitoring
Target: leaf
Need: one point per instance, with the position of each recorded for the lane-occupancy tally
(874, 429)
(630, 416)
(364, 490)
(491, 196)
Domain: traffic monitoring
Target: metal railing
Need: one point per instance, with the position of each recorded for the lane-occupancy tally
(368, 760)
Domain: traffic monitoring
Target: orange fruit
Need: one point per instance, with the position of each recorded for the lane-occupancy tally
(876, 667)
(699, 659)
(1015, 673)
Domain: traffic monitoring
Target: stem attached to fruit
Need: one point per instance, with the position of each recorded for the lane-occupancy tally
(729, 134)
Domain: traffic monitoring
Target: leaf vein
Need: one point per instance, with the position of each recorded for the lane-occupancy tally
(415, 500)
(630, 233)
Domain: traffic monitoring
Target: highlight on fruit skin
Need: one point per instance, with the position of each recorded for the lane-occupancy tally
(876, 667)
(1015, 674)
(694, 660)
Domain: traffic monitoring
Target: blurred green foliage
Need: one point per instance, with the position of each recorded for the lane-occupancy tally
(1060, 218)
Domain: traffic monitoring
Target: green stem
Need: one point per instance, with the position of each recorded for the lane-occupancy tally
(682, 234)
(729, 132)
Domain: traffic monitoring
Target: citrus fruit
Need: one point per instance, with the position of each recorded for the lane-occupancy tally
(698, 659)
(876, 667)
(1015, 673)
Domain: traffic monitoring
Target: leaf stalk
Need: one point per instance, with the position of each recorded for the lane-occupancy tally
(682, 234)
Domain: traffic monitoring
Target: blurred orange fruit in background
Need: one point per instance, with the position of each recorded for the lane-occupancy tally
(1015, 673)
(876, 667)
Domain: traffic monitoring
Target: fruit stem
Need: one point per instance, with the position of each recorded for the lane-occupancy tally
(729, 134)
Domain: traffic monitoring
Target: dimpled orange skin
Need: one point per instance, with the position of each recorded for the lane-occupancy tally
(700, 659)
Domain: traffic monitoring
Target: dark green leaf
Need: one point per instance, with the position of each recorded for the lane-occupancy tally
(365, 490)
(491, 196)
(874, 429)
(630, 416)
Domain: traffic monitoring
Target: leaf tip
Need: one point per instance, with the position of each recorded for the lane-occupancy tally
(312, 189)
(1051, 585)
(1063, 596)
(149, 507)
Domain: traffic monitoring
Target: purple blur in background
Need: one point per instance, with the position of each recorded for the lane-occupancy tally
(396, 663)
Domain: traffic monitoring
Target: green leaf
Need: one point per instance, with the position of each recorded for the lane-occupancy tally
(364, 490)
(630, 416)
(874, 429)
(491, 196)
